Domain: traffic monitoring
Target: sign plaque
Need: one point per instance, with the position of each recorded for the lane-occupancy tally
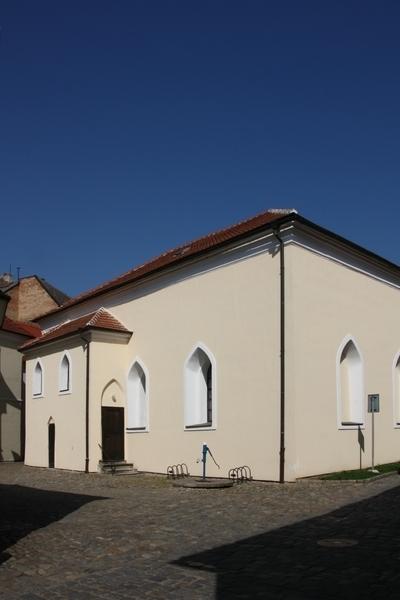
(373, 403)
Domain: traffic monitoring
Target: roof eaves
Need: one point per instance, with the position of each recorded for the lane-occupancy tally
(41, 341)
(57, 295)
(28, 330)
(179, 260)
(9, 287)
(344, 241)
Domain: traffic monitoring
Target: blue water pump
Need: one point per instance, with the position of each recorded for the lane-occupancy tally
(204, 458)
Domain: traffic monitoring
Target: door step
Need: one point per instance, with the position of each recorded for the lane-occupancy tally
(116, 467)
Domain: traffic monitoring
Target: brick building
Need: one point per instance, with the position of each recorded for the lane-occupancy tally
(27, 298)
(30, 296)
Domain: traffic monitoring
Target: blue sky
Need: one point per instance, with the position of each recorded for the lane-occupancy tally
(129, 127)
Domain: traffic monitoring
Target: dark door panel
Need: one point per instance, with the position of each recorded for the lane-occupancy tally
(112, 423)
(52, 444)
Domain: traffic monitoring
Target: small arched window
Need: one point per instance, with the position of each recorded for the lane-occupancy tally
(37, 383)
(351, 386)
(396, 389)
(137, 398)
(64, 383)
(199, 390)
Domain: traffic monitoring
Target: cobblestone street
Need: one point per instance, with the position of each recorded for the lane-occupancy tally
(71, 535)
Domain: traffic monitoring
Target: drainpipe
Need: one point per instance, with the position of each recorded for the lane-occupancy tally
(87, 348)
(282, 358)
(23, 408)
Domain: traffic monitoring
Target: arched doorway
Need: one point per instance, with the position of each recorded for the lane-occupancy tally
(52, 444)
(112, 423)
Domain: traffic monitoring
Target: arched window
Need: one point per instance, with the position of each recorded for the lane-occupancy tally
(396, 389)
(37, 383)
(199, 390)
(137, 398)
(64, 380)
(350, 386)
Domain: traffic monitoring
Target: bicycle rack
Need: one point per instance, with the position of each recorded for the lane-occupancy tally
(177, 471)
(240, 474)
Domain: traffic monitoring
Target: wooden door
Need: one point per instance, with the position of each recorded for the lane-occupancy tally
(112, 424)
(52, 444)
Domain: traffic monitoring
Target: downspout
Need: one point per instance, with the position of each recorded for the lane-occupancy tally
(87, 348)
(23, 408)
(282, 358)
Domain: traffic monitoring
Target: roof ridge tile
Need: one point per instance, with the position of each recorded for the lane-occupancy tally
(171, 256)
(101, 319)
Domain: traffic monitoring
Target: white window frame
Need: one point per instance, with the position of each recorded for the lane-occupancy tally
(41, 393)
(146, 427)
(340, 423)
(187, 390)
(396, 391)
(61, 392)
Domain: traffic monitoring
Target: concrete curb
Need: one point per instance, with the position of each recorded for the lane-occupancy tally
(348, 481)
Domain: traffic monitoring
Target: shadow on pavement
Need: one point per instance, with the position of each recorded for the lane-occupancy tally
(24, 509)
(350, 553)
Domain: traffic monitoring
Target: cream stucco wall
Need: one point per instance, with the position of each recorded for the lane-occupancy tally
(230, 307)
(233, 312)
(229, 303)
(326, 302)
(10, 396)
(65, 410)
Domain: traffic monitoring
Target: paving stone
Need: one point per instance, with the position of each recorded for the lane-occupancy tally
(71, 535)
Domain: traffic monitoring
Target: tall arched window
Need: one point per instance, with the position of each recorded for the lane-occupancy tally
(64, 381)
(350, 386)
(396, 389)
(37, 382)
(137, 398)
(199, 390)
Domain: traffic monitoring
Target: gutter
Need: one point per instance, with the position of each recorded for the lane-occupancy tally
(177, 263)
(41, 342)
(87, 348)
(392, 267)
(276, 233)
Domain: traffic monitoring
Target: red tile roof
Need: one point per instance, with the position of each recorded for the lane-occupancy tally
(184, 251)
(100, 319)
(29, 329)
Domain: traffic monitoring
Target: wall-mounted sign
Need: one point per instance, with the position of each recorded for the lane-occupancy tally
(373, 403)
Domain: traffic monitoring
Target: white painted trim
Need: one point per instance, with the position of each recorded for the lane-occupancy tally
(41, 395)
(133, 430)
(69, 389)
(109, 383)
(211, 357)
(111, 337)
(260, 244)
(146, 429)
(396, 401)
(348, 338)
(293, 232)
(347, 257)
(200, 428)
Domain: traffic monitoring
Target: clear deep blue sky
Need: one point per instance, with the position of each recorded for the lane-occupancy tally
(129, 127)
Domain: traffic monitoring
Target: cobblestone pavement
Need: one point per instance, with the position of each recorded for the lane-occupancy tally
(71, 535)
